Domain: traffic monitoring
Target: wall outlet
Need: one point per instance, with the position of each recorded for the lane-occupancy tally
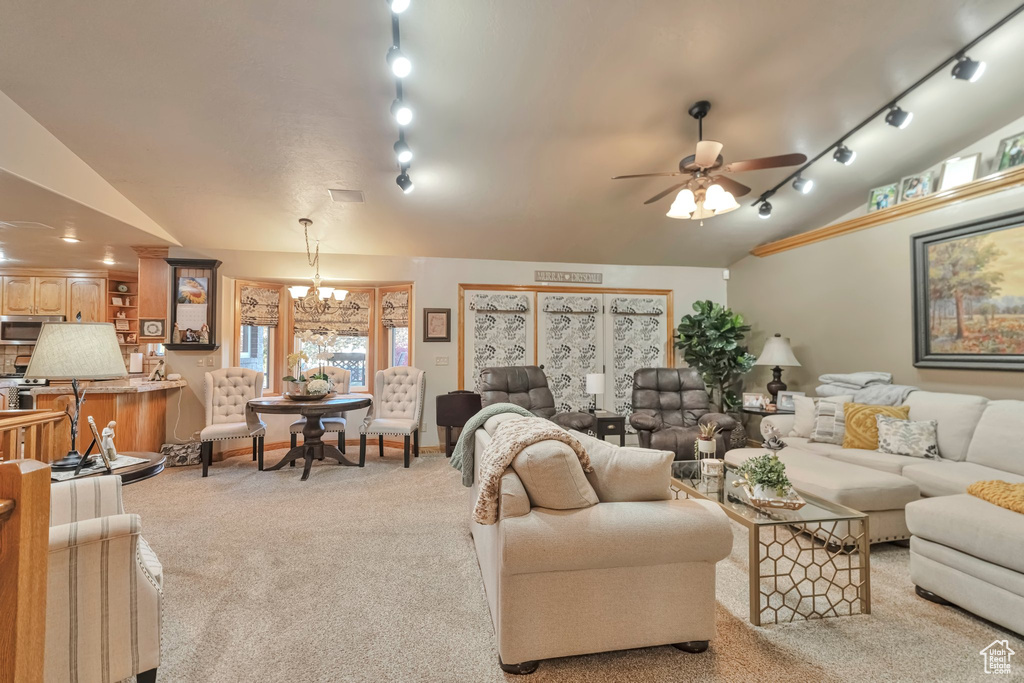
(440, 360)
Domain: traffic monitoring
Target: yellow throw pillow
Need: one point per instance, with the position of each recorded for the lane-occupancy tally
(861, 426)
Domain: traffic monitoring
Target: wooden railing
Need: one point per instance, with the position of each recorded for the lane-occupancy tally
(29, 434)
(24, 531)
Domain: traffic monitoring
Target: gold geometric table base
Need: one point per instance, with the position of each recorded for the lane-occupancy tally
(809, 570)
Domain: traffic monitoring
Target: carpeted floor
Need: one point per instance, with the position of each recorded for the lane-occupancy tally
(370, 575)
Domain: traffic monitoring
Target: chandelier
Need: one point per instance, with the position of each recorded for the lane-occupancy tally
(700, 199)
(314, 300)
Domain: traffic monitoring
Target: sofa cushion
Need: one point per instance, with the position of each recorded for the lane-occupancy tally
(553, 476)
(876, 460)
(860, 488)
(861, 426)
(804, 408)
(949, 478)
(829, 422)
(627, 474)
(999, 438)
(616, 535)
(957, 415)
(972, 526)
(904, 437)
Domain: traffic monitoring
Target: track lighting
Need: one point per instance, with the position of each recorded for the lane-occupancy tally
(399, 63)
(402, 112)
(899, 118)
(398, 6)
(844, 155)
(403, 152)
(405, 183)
(803, 185)
(966, 69)
(765, 211)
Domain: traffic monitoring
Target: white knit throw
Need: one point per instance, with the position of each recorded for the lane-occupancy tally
(509, 439)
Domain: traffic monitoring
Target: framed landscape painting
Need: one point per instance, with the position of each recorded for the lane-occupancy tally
(969, 295)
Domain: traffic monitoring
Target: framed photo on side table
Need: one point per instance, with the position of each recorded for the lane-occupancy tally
(437, 324)
(753, 401)
(784, 400)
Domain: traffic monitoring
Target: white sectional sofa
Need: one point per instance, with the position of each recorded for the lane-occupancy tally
(963, 550)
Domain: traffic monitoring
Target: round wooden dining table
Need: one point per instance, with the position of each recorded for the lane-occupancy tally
(313, 446)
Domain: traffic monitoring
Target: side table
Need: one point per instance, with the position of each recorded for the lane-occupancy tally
(453, 411)
(610, 424)
(754, 423)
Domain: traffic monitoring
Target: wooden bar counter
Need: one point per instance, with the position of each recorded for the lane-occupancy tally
(137, 405)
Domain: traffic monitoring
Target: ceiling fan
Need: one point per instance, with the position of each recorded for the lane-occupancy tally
(705, 195)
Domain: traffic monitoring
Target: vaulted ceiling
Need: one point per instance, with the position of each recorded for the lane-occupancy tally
(225, 122)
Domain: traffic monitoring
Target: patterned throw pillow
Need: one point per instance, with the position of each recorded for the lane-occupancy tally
(902, 437)
(861, 426)
(829, 422)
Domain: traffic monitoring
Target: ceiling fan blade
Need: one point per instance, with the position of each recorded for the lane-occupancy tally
(765, 162)
(662, 195)
(646, 175)
(707, 153)
(731, 186)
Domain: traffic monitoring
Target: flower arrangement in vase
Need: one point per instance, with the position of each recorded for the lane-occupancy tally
(298, 380)
(320, 383)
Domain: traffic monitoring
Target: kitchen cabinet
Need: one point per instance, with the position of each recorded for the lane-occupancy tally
(19, 295)
(51, 296)
(87, 295)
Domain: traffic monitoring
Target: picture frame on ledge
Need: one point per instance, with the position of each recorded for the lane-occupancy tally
(959, 171)
(1011, 152)
(917, 186)
(883, 197)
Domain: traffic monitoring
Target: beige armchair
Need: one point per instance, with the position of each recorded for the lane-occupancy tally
(397, 409)
(335, 422)
(104, 588)
(612, 576)
(226, 392)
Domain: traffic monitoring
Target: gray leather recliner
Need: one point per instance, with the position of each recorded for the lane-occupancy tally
(668, 406)
(527, 386)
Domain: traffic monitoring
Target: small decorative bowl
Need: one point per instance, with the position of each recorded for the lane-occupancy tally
(307, 397)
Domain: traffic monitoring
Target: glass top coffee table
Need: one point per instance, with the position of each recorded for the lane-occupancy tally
(810, 563)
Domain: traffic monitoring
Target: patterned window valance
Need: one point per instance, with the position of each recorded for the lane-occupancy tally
(394, 309)
(571, 304)
(509, 303)
(259, 306)
(645, 305)
(350, 318)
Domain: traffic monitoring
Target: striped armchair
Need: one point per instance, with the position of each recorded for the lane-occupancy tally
(104, 588)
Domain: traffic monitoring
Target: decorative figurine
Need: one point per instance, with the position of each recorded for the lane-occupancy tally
(772, 437)
(159, 372)
(107, 444)
(176, 334)
(204, 334)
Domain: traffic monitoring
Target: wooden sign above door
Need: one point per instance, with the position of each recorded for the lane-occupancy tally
(567, 276)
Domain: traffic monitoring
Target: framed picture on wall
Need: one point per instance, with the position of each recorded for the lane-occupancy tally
(959, 171)
(969, 295)
(437, 324)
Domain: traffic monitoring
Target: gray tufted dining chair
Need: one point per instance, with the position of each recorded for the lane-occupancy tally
(227, 391)
(397, 409)
(335, 422)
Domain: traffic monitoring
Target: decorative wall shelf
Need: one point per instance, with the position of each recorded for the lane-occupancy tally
(194, 305)
(990, 184)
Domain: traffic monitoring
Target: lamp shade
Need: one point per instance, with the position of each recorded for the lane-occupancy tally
(76, 351)
(595, 383)
(777, 352)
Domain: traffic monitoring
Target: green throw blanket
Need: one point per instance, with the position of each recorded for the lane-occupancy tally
(462, 456)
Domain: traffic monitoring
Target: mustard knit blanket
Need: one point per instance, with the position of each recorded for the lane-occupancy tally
(1001, 493)
(508, 440)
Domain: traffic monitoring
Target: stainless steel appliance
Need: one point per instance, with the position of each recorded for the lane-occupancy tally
(25, 400)
(24, 329)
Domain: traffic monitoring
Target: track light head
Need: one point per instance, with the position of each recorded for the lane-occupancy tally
(844, 155)
(403, 152)
(398, 6)
(803, 185)
(899, 118)
(966, 69)
(402, 112)
(399, 63)
(765, 210)
(404, 182)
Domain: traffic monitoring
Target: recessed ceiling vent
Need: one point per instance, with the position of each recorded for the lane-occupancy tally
(347, 196)
(25, 225)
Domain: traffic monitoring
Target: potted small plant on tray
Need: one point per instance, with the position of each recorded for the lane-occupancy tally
(766, 475)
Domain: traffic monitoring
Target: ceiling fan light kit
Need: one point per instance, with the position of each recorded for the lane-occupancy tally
(964, 69)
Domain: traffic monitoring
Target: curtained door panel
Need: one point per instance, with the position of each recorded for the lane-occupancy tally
(636, 336)
(499, 331)
(570, 345)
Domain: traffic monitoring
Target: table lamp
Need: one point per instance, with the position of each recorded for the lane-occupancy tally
(76, 351)
(779, 354)
(595, 386)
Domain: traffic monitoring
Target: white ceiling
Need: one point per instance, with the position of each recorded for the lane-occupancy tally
(225, 122)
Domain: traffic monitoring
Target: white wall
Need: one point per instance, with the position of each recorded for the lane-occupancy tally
(436, 283)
